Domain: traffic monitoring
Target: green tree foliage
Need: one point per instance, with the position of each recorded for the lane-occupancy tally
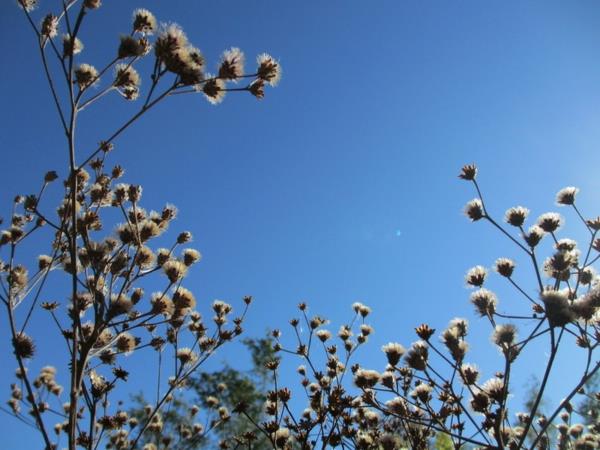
(213, 394)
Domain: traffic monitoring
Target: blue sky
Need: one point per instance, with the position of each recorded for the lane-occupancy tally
(341, 184)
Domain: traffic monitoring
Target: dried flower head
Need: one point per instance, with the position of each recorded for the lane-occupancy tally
(183, 299)
(257, 88)
(71, 46)
(175, 270)
(504, 335)
(422, 392)
(474, 210)
(485, 302)
(587, 275)
(185, 355)
(213, 89)
(144, 21)
(28, 5)
(191, 256)
(557, 307)
(516, 216)
(494, 387)
(125, 343)
(366, 379)
(566, 196)
(269, 69)
(23, 346)
(550, 222)
(417, 356)
(424, 331)
(468, 172)
(92, 4)
(184, 237)
(534, 235)
(49, 26)
(469, 374)
(323, 335)
(394, 352)
(232, 64)
(130, 47)
(85, 76)
(475, 277)
(505, 267)
(170, 40)
(126, 76)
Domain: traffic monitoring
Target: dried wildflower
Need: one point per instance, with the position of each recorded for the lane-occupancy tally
(130, 47)
(476, 276)
(18, 278)
(417, 356)
(516, 216)
(44, 262)
(366, 379)
(71, 46)
(323, 335)
(184, 237)
(393, 351)
(125, 343)
(566, 245)
(388, 379)
(594, 224)
(232, 64)
(221, 308)
(126, 76)
(185, 355)
(85, 76)
(23, 346)
(144, 258)
(587, 275)
(583, 308)
(550, 222)
(169, 42)
(49, 306)
(365, 329)
(143, 21)
(92, 4)
(364, 311)
(474, 210)
(469, 374)
(99, 384)
(422, 392)
(556, 305)
(269, 69)
(49, 26)
(345, 333)
(494, 387)
(558, 265)
(397, 406)
(468, 172)
(183, 299)
(566, 196)
(505, 267)
(257, 88)
(281, 437)
(120, 304)
(191, 256)
(28, 5)
(424, 331)
(504, 335)
(175, 270)
(534, 235)
(213, 89)
(485, 302)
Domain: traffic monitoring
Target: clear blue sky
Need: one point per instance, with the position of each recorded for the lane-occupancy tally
(341, 184)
